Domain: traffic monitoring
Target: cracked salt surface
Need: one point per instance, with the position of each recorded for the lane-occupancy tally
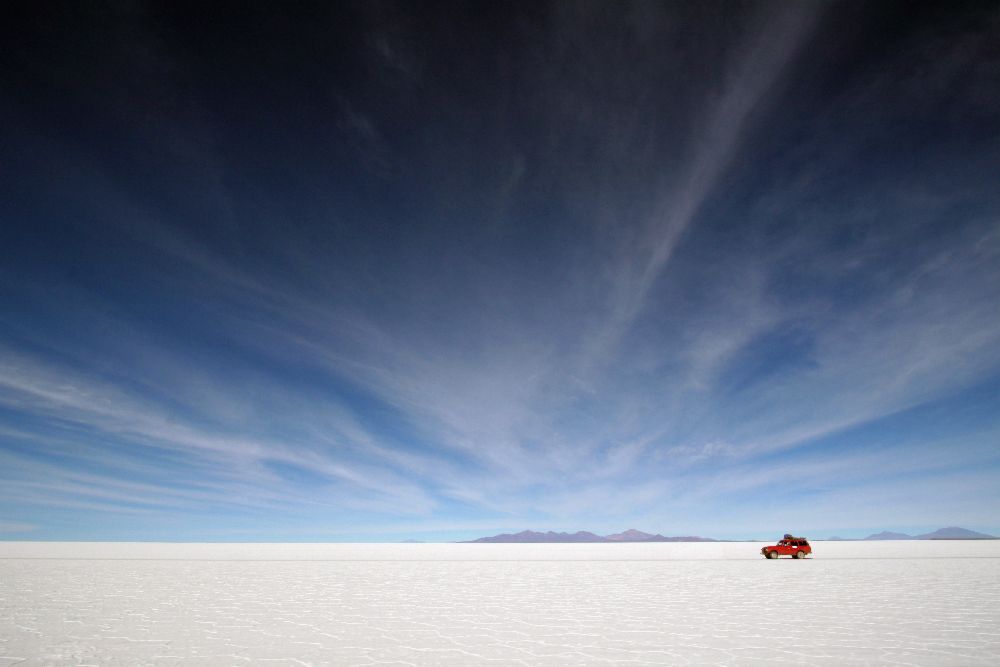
(909, 603)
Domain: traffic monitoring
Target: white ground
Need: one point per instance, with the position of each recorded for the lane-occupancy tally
(926, 603)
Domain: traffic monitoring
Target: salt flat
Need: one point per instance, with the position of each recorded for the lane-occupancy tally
(925, 603)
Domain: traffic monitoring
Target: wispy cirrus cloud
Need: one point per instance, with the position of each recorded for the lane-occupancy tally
(638, 292)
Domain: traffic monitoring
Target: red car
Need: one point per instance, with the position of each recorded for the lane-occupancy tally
(796, 547)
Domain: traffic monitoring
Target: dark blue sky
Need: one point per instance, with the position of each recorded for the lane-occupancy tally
(387, 270)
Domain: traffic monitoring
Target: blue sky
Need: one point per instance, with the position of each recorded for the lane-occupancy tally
(374, 271)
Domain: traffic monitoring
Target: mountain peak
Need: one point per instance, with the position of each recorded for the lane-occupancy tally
(889, 535)
(954, 533)
(630, 535)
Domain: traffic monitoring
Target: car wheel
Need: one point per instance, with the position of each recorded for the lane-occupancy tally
(772, 554)
(800, 554)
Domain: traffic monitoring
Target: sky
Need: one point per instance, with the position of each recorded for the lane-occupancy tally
(379, 271)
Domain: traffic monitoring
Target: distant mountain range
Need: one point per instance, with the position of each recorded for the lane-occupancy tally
(950, 533)
(582, 536)
(633, 535)
(889, 535)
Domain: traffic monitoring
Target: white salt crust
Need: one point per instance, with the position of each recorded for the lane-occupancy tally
(916, 603)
